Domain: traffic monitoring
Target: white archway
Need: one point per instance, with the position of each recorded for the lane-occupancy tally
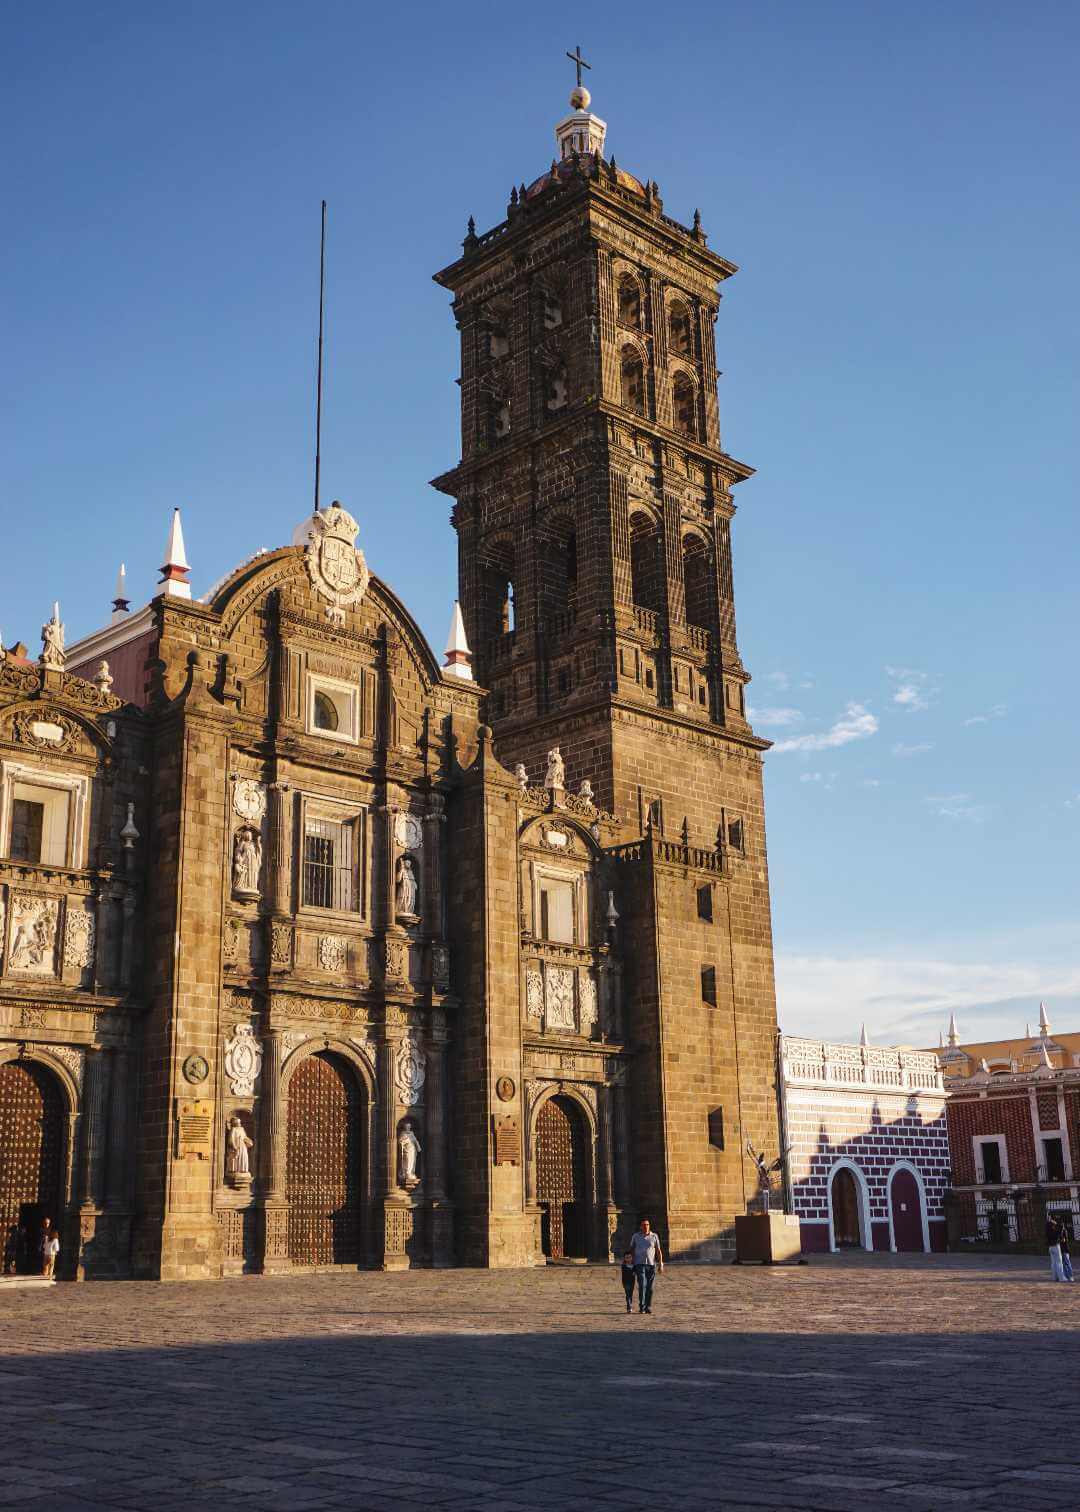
(906, 1165)
(866, 1232)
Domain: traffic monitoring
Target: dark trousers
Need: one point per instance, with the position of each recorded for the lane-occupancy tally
(646, 1275)
(628, 1280)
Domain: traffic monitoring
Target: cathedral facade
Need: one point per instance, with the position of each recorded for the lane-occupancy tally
(317, 954)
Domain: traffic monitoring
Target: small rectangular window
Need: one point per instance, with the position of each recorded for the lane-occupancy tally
(991, 1161)
(701, 694)
(557, 911)
(330, 864)
(716, 1128)
(27, 821)
(708, 985)
(704, 903)
(736, 836)
(1054, 1159)
(650, 680)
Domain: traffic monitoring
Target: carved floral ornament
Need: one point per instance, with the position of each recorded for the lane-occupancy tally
(79, 934)
(243, 1060)
(334, 563)
(45, 730)
(249, 799)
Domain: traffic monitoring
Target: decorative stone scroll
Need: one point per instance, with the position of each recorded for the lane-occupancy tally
(410, 1072)
(243, 1060)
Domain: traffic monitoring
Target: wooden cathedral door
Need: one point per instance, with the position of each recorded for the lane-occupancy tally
(560, 1180)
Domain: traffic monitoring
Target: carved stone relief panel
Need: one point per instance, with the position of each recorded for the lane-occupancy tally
(534, 995)
(249, 800)
(559, 998)
(440, 966)
(333, 953)
(33, 931)
(587, 1001)
(79, 935)
(281, 944)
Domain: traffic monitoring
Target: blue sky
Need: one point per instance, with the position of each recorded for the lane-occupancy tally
(898, 354)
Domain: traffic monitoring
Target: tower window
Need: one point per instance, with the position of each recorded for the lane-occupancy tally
(646, 583)
(629, 302)
(708, 985)
(697, 582)
(684, 405)
(498, 343)
(500, 419)
(496, 575)
(680, 338)
(736, 835)
(633, 381)
(556, 388)
(1054, 1159)
(564, 680)
(704, 903)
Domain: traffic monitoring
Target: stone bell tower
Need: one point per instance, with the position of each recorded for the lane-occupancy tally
(593, 512)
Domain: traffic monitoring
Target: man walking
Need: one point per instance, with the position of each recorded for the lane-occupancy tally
(1053, 1244)
(648, 1257)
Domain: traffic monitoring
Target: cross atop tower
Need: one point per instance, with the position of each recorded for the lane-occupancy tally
(578, 62)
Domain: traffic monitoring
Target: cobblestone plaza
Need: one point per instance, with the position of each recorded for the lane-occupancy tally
(913, 1382)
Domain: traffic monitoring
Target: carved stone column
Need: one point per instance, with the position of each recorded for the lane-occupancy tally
(274, 1113)
(434, 821)
(129, 909)
(391, 809)
(434, 1171)
(398, 1213)
(95, 1124)
(606, 1205)
(622, 1146)
(120, 1172)
(281, 815)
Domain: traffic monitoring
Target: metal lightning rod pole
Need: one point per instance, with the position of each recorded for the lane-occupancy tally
(318, 381)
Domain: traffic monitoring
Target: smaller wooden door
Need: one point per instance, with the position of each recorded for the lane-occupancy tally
(845, 1211)
(905, 1202)
(560, 1180)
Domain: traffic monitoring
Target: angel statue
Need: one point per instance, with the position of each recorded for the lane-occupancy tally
(766, 1172)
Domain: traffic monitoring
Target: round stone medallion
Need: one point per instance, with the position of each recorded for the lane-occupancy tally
(505, 1088)
(196, 1069)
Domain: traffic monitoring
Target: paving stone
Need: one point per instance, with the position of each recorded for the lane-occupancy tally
(525, 1391)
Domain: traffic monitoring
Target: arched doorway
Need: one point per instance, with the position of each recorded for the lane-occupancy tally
(323, 1179)
(905, 1205)
(847, 1230)
(561, 1187)
(31, 1155)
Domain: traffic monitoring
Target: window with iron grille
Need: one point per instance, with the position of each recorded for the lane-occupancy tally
(329, 862)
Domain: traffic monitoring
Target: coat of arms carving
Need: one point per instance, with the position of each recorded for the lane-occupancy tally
(335, 563)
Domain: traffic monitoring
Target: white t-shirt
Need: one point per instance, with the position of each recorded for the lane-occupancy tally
(52, 1246)
(645, 1248)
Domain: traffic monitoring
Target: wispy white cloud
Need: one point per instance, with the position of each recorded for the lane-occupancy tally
(958, 806)
(907, 998)
(781, 681)
(856, 723)
(774, 716)
(913, 691)
(871, 782)
(997, 712)
(900, 749)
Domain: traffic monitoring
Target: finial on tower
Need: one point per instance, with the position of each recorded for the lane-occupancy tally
(954, 1033)
(1044, 1022)
(458, 661)
(175, 568)
(863, 1041)
(580, 133)
(121, 605)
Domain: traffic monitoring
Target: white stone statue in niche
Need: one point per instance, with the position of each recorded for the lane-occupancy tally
(585, 790)
(409, 1151)
(522, 776)
(247, 859)
(555, 776)
(405, 891)
(237, 1160)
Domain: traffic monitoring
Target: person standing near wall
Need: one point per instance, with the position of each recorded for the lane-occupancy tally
(1053, 1244)
(648, 1259)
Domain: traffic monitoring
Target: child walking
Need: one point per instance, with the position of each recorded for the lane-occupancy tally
(628, 1279)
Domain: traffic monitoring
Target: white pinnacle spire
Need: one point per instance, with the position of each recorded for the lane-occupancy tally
(121, 603)
(174, 570)
(863, 1041)
(1044, 1022)
(1047, 1062)
(941, 1039)
(458, 661)
(954, 1033)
